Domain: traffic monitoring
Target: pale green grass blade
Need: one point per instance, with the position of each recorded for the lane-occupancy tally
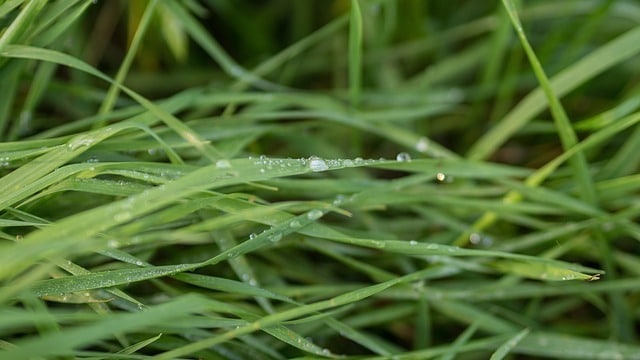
(63, 343)
(18, 27)
(620, 49)
(563, 126)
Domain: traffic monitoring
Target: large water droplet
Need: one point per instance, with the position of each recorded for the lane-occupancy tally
(403, 157)
(275, 237)
(223, 164)
(317, 164)
(441, 177)
(80, 141)
(475, 238)
(422, 145)
(314, 214)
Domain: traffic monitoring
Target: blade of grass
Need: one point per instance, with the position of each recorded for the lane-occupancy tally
(355, 53)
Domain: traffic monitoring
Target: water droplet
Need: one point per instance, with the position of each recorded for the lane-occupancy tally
(347, 163)
(275, 237)
(253, 282)
(112, 244)
(314, 214)
(441, 177)
(326, 352)
(223, 164)
(413, 243)
(262, 170)
(317, 164)
(403, 157)
(339, 200)
(245, 277)
(475, 238)
(294, 224)
(252, 236)
(358, 161)
(422, 145)
(80, 141)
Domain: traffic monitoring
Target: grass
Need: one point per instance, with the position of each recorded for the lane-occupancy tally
(363, 179)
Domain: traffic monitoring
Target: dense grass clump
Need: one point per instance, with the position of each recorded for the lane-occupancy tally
(319, 179)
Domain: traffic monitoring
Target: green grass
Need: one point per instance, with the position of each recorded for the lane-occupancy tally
(319, 179)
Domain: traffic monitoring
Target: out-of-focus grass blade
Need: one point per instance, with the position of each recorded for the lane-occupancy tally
(226, 285)
(355, 53)
(505, 348)
(605, 57)
(64, 342)
(131, 349)
(562, 346)
(462, 339)
(271, 319)
(26, 52)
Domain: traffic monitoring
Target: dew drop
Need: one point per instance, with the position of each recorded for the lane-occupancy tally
(252, 236)
(339, 200)
(441, 177)
(403, 157)
(475, 238)
(422, 145)
(80, 141)
(413, 243)
(358, 161)
(223, 164)
(274, 238)
(317, 164)
(294, 224)
(253, 282)
(347, 163)
(314, 214)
